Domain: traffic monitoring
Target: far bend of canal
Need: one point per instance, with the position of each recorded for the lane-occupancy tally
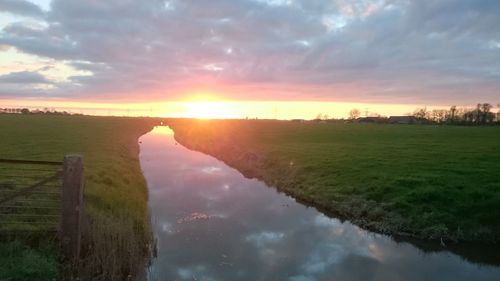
(212, 224)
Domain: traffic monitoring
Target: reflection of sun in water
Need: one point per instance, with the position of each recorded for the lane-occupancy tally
(163, 130)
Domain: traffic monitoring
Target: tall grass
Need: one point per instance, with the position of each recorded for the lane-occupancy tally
(114, 249)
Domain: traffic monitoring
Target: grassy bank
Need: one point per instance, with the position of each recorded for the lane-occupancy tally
(116, 228)
(428, 182)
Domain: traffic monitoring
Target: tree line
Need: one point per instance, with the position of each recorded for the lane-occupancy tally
(480, 115)
(26, 111)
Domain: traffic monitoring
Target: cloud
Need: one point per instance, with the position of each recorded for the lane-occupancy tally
(24, 77)
(381, 50)
(21, 7)
(263, 238)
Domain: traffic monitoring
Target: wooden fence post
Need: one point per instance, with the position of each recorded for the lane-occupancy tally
(72, 196)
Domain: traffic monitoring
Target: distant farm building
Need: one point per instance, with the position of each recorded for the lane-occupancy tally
(407, 120)
(371, 120)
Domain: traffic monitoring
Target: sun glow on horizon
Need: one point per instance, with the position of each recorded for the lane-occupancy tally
(209, 110)
(212, 107)
(207, 105)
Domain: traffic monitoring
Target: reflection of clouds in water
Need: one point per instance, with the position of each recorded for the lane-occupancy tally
(198, 272)
(322, 258)
(266, 244)
(376, 252)
(219, 216)
(211, 198)
(301, 278)
(239, 229)
(167, 227)
(333, 244)
(264, 238)
(198, 216)
(324, 221)
(211, 170)
(336, 230)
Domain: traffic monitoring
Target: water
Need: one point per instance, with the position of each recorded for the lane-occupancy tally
(214, 224)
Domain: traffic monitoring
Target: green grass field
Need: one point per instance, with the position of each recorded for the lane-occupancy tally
(117, 229)
(425, 181)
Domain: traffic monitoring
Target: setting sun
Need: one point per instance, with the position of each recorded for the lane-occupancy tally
(208, 110)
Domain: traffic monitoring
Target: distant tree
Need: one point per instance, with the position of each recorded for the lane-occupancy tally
(461, 115)
(498, 113)
(354, 114)
(438, 115)
(421, 113)
(319, 116)
(468, 117)
(25, 111)
(478, 114)
(485, 112)
(490, 117)
(453, 111)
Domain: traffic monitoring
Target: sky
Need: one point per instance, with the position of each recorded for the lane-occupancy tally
(263, 54)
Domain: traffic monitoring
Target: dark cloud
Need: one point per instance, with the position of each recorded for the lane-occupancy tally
(385, 51)
(21, 7)
(24, 77)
